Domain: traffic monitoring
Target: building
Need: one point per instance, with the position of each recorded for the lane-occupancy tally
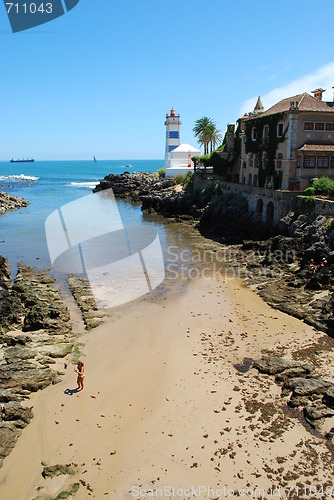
(172, 124)
(180, 161)
(288, 145)
(177, 156)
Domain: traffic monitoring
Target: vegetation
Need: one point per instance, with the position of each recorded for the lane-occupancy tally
(207, 134)
(323, 185)
(179, 179)
(186, 180)
(258, 146)
(161, 172)
(310, 191)
(330, 225)
(307, 203)
(220, 165)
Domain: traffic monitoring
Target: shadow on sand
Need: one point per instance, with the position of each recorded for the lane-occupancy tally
(70, 392)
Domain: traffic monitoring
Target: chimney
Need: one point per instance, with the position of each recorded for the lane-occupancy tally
(317, 93)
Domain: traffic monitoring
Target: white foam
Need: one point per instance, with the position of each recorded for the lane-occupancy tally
(84, 185)
(20, 177)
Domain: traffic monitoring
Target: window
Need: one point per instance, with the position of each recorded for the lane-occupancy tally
(319, 126)
(309, 162)
(299, 161)
(173, 134)
(323, 161)
(280, 129)
(332, 162)
(279, 160)
(266, 134)
(308, 125)
(253, 134)
(329, 126)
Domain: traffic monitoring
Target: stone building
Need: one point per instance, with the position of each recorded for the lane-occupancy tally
(289, 144)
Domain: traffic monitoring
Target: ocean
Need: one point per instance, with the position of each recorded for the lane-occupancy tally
(48, 185)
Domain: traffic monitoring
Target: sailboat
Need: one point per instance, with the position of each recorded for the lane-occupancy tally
(95, 160)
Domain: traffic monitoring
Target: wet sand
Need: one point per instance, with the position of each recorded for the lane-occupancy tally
(164, 406)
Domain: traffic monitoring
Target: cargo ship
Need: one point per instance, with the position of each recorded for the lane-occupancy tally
(14, 160)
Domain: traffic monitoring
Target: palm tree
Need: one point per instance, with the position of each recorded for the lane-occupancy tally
(201, 132)
(214, 136)
(207, 133)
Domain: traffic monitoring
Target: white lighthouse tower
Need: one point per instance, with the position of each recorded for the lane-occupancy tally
(172, 123)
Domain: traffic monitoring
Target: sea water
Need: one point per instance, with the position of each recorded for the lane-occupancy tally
(48, 185)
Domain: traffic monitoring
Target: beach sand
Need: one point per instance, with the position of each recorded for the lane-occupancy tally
(164, 406)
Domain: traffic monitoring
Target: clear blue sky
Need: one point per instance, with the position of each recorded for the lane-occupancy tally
(100, 79)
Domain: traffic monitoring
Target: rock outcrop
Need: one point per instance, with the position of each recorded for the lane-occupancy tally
(306, 390)
(9, 202)
(34, 330)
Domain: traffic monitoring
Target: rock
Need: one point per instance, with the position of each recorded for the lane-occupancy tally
(59, 350)
(298, 371)
(317, 412)
(58, 470)
(273, 365)
(7, 396)
(9, 434)
(328, 398)
(330, 434)
(9, 202)
(15, 354)
(14, 411)
(302, 386)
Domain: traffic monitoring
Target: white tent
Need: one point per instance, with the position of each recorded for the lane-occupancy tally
(180, 161)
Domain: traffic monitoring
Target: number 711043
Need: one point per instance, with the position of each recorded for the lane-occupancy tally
(31, 8)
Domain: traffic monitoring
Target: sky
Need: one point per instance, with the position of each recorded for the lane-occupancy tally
(100, 79)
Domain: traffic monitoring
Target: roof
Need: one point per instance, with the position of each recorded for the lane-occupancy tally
(259, 105)
(324, 148)
(185, 148)
(306, 102)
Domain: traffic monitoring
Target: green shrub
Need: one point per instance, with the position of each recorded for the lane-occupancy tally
(179, 179)
(330, 225)
(161, 172)
(310, 191)
(323, 185)
(307, 203)
(188, 182)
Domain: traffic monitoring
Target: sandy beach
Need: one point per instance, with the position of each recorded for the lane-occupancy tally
(165, 407)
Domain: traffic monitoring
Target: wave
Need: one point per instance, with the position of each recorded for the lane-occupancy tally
(84, 185)
(20, 177)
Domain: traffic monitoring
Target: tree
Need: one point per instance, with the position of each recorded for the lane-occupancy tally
(206, 132)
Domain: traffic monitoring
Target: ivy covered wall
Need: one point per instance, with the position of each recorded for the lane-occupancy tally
(258, 146)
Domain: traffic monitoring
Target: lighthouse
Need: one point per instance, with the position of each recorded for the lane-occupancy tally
(172, 124)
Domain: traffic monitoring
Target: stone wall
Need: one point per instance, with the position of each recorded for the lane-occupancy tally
(270, 205)
(324, 207)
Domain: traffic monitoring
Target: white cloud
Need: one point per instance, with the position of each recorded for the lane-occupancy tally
(322, 77)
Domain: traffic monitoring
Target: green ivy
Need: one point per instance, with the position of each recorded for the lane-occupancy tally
(256, 146)
(220, 165)
(307, 203)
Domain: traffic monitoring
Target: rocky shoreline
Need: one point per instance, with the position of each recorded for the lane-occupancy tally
(276, 265)
(304, 387)
(9, 202)
(35, 331)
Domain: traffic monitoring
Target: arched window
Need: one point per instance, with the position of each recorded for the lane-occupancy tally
(270, 213)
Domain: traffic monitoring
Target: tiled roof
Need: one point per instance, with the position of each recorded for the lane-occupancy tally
(306, 102)
(324, 148)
